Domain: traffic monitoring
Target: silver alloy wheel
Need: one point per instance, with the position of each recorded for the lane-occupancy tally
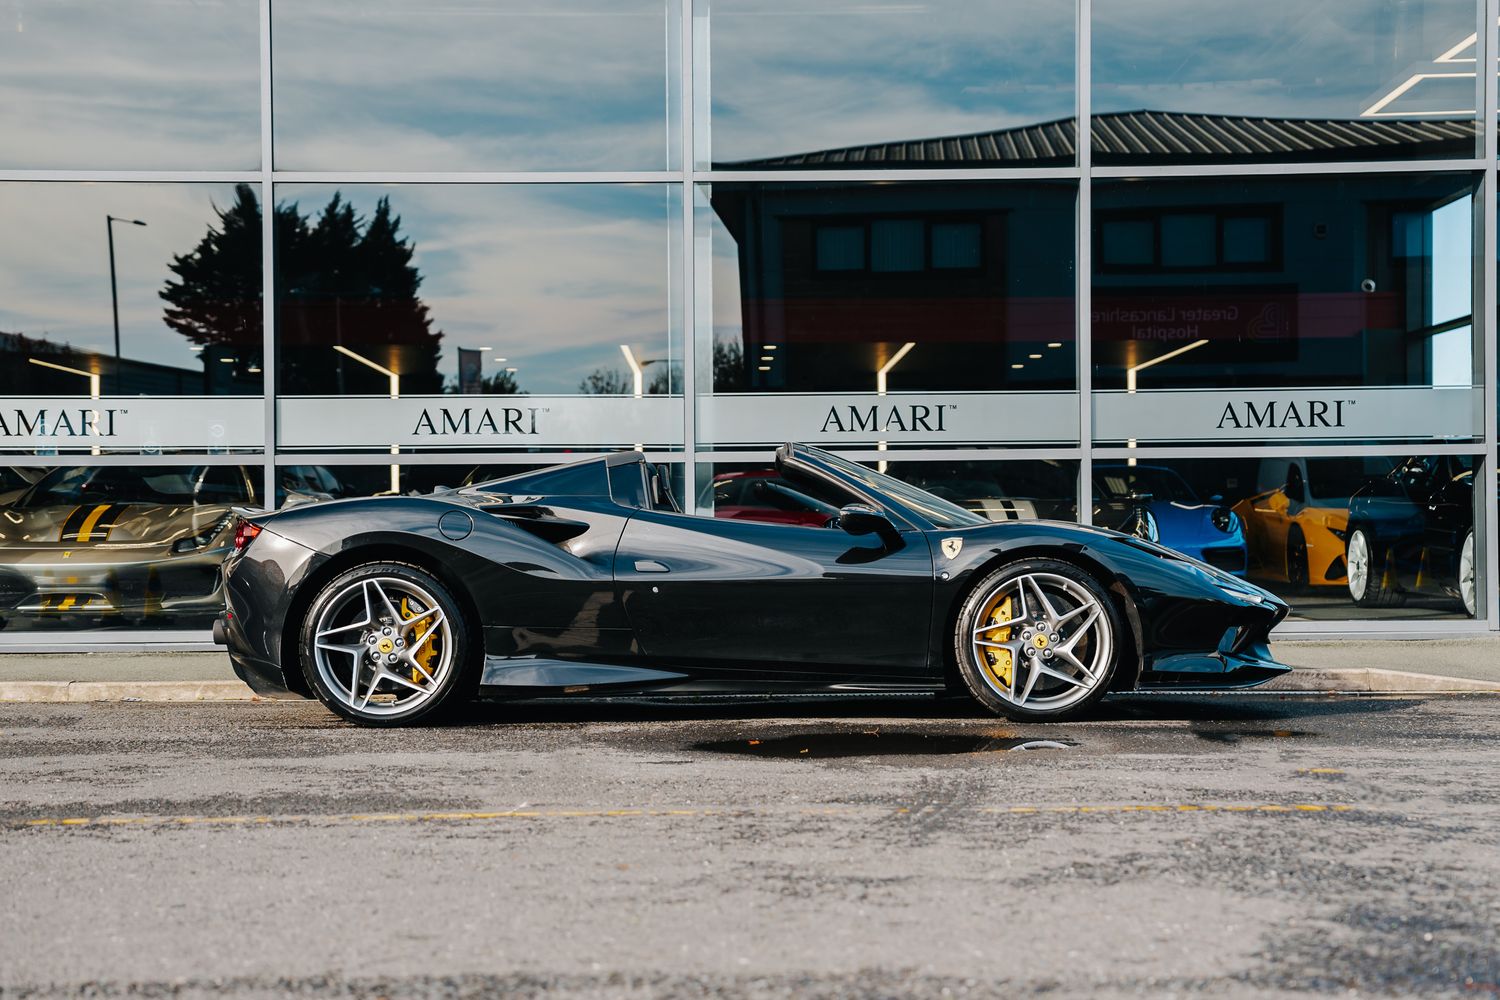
(383, 646)
(1055, 635)
(1466, 580)
(1357, 564)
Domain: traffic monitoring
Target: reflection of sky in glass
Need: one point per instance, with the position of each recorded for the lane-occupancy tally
(553, 278)
(793, 78)
(54, 262)
(1278, 58)
(139, 85)
(472, 85)
(1452, 290)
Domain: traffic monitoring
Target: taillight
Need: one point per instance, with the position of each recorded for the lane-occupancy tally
(244, 534)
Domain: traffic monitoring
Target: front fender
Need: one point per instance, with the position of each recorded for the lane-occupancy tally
(1184, 618)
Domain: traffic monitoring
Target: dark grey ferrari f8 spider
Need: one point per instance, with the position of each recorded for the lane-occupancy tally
(586, 579)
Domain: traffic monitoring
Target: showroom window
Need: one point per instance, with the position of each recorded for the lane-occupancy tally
(265, 253)
(1337, 80)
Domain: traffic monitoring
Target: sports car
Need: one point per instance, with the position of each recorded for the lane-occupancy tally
(586, 579)
(1412, 532)
(103, 545)
(1297, 525)
(1207, 531)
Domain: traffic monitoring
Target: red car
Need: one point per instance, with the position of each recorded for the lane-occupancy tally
(762, 495)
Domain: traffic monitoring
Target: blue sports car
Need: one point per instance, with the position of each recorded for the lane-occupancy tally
(1210, 532)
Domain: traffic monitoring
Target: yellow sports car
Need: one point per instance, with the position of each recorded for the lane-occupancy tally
(1296, 530)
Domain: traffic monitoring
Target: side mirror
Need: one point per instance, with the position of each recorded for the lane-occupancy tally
(862, 519)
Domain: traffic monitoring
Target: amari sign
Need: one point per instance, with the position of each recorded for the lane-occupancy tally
(132, 423)
(1392, 413)
(861, 419)
(459, 421)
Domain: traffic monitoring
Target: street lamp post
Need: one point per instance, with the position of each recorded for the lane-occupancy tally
(114, 295)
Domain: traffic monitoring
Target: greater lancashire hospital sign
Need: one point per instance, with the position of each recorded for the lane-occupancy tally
(457, 422)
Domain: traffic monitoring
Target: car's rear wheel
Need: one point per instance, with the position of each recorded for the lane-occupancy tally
(1371, 582)
(1037, 640)
(387, 644)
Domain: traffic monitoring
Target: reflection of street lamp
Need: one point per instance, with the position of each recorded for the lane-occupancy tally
(1131, 372)
(395, 394)
(880, 374)
(114, 295)
(637, 369)
(93, 378)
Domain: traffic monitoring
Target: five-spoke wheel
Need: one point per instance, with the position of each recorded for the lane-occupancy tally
(385, 643)
(1036, 640)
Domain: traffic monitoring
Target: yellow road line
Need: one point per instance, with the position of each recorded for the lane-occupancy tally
(674, 813)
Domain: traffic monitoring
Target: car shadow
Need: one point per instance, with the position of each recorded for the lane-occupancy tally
(1186, 707)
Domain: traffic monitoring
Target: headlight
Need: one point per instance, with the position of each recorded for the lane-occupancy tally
(203, 539)
(1339, 533)
(1224, 519)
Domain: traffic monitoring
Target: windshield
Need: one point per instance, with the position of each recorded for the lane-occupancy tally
(1119, 481)
(940, 512)
(1338, 478)
(119, 484)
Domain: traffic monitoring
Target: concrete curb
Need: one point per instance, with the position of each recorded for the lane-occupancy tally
(1364, 679)
(84, 691)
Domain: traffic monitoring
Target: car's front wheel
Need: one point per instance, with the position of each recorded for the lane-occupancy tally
(1037, 640)
(386, 644)
(1468, 587)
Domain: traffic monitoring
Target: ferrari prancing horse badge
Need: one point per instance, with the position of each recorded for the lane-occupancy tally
(952, 547)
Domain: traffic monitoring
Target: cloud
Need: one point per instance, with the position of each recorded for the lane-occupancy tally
(161, 84)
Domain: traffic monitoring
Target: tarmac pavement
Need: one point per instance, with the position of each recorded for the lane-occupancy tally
(1236, 845)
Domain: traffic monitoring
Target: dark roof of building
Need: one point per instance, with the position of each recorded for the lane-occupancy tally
(1145, 136)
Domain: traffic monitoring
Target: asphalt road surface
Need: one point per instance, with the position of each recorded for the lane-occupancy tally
(1248, 845)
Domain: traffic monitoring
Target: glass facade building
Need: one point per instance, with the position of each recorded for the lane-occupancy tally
(260, 253)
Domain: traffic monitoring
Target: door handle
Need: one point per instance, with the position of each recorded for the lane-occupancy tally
(651, 566)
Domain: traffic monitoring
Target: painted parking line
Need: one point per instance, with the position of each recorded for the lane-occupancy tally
(1076, 809)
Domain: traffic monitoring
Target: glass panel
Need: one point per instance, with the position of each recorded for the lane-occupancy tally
(828, 85)
(117, 547)
(298, 484)
(549, 305)
(1337, 537)
(1180, 82)
(130, 317)
(1314, 308)
(96, 84)
(997, 491)
(956, 327)
(475, 85)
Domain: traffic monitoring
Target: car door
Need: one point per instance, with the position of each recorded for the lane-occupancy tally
(735, 595)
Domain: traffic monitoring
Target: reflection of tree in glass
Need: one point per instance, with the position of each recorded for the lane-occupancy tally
(502, 383)
(341, 280)
(729, 366)
(613, 382)
(215, 300)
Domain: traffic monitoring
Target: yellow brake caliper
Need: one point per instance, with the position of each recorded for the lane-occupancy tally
(428, 649)
(998, 661)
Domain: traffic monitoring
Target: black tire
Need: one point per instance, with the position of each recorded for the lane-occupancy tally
(984, 682)
(1378, 588)
(1296, 558)
(455, 679)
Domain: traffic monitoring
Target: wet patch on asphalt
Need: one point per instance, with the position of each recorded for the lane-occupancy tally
(877, 743)
(1240, 735)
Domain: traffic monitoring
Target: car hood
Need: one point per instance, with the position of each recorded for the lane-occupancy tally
(106, 525)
